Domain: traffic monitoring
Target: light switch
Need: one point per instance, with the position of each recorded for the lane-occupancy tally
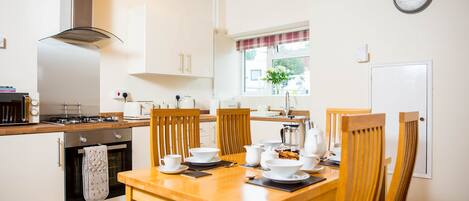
(3, 44)
(362, 54)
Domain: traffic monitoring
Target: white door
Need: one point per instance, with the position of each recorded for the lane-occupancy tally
(198, 37)
(163, 37)
(32, 167)
(404, 88)
(141, 157)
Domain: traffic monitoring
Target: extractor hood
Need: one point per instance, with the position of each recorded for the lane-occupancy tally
(76, 21)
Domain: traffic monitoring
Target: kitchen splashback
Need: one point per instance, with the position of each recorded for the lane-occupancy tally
(68, 74)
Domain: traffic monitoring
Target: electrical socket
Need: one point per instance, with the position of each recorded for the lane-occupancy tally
(118, 94)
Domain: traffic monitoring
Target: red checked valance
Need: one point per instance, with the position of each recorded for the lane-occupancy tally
(265, 41)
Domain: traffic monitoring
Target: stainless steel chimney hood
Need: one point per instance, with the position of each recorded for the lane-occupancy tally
(76, 21)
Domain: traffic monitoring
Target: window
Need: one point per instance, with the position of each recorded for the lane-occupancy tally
(293, 56)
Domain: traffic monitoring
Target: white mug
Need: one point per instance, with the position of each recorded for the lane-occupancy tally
(309, 161)
(171, 162)
(253, 154)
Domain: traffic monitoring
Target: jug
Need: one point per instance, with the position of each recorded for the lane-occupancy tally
(290, 135)
(268, 154)
(253, 155)
(315, 142)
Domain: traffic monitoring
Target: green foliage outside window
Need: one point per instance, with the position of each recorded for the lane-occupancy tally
(295, 65)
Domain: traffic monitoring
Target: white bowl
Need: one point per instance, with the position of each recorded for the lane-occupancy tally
(284, 168)
(204, 154)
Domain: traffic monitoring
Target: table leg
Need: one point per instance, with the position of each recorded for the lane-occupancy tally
(128, 193)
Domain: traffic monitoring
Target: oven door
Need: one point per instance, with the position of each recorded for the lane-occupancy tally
(119, 159)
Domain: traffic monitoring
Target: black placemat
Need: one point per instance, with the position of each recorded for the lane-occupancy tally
(331, 163)
(202, 168)
(264, 182)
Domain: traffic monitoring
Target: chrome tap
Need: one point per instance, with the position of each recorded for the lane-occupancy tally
(286, 107)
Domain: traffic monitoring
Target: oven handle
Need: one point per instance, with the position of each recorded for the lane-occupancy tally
(59, 151)
(112, 147)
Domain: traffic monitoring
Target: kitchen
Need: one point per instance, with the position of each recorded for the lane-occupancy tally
(338, 31)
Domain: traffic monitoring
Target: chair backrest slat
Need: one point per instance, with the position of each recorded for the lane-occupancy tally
(233, 130)
(173, 131)
(362, 162)
(406, 155)
(334, 124)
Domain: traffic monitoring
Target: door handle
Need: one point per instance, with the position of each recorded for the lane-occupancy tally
(181, 63)
(59, 152)
(189, 63)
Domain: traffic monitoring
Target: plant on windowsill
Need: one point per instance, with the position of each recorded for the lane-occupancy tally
(277, 76)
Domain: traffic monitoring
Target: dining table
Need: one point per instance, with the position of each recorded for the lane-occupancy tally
(225, 183)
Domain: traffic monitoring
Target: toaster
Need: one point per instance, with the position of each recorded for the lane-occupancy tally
(138, 109)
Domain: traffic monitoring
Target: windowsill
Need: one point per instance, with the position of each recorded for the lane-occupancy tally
(280, 95)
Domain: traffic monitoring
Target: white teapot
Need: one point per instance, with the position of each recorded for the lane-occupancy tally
(315, 142)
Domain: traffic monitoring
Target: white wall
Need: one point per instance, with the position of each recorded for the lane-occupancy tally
(247, 16)
(242, 18)
(112, 15)
(24, 23)
(227, 74)
(439, 33)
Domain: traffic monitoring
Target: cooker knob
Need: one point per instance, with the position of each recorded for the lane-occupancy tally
(34, 112)
(34, 102)
(117, 136)
(83, 139)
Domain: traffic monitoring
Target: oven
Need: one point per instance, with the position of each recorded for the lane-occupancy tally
(19, 108)
(119, 144)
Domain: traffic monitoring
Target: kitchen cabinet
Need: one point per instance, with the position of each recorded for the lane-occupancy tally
(207, 134)
(141, 147)
(171, 37)
(32, 167)
(265, 131)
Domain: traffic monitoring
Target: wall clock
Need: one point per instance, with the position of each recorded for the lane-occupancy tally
(411, 6)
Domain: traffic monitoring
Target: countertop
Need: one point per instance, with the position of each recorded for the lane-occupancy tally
(50, 128)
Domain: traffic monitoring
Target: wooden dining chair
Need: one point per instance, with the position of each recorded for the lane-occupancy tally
(406, 154)
(362, 172)
(173, 131)
(233, 130)
(333, 123)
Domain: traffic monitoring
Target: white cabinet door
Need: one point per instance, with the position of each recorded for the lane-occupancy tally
(141, 147)
(404, 88)
(32, 167)
(265, 131)
(164, 41)
(171, 37)
(207, 134)
(198, 37)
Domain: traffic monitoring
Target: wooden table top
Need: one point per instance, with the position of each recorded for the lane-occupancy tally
(224, 184)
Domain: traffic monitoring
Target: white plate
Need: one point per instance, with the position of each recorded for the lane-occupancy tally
(298, 177)
(314, 170)
(181, 169)
(194, 161)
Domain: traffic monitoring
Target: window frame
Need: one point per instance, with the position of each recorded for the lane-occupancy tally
(272, 53)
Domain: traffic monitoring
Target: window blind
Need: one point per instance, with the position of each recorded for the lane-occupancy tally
(272, 40)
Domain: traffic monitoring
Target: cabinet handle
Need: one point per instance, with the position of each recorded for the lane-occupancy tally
(181, 63)
(189, 63)
(59, 149)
